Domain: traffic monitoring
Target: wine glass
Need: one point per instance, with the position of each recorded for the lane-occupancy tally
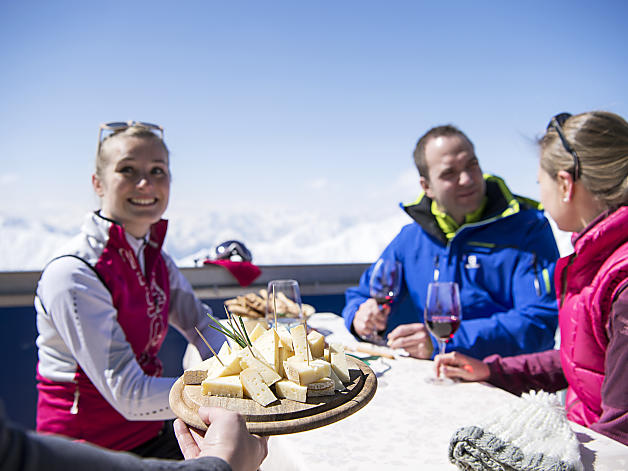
(442, 316)
(283, 303)
(384, 286)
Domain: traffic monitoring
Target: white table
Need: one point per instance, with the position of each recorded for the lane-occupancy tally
(408, 423)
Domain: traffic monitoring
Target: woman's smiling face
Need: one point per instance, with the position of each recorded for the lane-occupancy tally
(134, 185)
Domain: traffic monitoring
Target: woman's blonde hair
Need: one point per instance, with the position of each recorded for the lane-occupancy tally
(136, 130)
(600, 140)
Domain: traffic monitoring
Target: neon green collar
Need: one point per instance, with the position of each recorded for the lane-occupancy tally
(447, 223)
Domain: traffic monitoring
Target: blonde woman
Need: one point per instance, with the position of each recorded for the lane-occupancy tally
(105, 302)
(583, 177)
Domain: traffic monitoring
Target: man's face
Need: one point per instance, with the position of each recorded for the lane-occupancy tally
(455, 179)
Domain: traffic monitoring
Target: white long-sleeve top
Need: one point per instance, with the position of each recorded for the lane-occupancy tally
(77, 323)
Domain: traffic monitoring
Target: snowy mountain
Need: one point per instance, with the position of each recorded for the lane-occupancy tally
(274, 238)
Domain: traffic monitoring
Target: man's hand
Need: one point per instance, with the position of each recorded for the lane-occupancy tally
(226, 438)
(457, 365)
(414, 338)
(370, 318)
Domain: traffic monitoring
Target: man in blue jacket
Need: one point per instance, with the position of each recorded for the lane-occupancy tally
(468, 228)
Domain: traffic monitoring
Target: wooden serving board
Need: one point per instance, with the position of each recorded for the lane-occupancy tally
(284, 415)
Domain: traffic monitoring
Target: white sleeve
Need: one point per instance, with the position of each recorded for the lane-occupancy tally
(81, 310)
(187, 312)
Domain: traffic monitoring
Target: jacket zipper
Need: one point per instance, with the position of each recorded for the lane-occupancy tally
(436, 270)
(74, 408)
(537, 285)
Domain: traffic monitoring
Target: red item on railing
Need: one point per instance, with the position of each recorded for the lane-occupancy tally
(244, 272)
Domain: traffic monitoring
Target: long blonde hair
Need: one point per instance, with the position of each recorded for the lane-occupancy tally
(600, 140)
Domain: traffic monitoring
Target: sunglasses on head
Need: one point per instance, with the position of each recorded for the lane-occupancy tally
(118, 126)
(557, 123)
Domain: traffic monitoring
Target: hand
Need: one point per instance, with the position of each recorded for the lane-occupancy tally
(414, 338)
(370, 318)
(457, 365)
(226, 438)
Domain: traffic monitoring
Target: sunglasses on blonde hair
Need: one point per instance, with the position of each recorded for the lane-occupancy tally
(119, 126)
(557, 123)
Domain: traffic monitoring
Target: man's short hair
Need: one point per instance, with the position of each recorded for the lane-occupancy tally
(437, 131)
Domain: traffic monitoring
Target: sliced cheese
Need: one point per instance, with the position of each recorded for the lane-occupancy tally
(256, 333)
(323, 383)
(299, 342)
(317, 344)
(268, 374)
(339, 362)
(251, 324)
(255, 388)
(290, 390)
(284, 354)
(302, 373)
(338, 386)
(225, 386)
(268, 345)
(328, 391)
(232, 344)
(286, 338)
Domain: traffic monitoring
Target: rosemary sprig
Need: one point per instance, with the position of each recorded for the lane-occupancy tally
(231, 330)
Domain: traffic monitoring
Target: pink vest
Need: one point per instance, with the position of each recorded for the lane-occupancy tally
(142, 304)
(586, 285)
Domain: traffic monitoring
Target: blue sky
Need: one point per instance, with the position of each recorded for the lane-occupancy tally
(295, 105)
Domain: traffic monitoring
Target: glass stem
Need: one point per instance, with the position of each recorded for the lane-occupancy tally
(441, 346)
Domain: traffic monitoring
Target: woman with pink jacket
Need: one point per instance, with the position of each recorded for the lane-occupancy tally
(583, 177)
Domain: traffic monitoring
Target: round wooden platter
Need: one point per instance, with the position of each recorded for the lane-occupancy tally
(284, 415)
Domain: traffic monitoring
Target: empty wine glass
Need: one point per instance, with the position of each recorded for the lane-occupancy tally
(442, 316)
(384, 286)
(283, 303)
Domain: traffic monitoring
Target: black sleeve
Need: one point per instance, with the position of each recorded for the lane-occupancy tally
(29, 451)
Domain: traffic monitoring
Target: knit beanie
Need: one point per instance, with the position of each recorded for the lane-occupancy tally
(532, 435)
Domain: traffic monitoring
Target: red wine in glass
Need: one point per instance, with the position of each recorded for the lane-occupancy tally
(384, 286)
(442, 316)
(443, 327)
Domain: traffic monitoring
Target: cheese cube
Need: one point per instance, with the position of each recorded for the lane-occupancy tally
(299, 342)
(339, 362)
(302, 373)
(255, 388)
(268, 374)
(226, 386)
(197, 373)
(290, 390)
(317, 344)
(230, 363)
